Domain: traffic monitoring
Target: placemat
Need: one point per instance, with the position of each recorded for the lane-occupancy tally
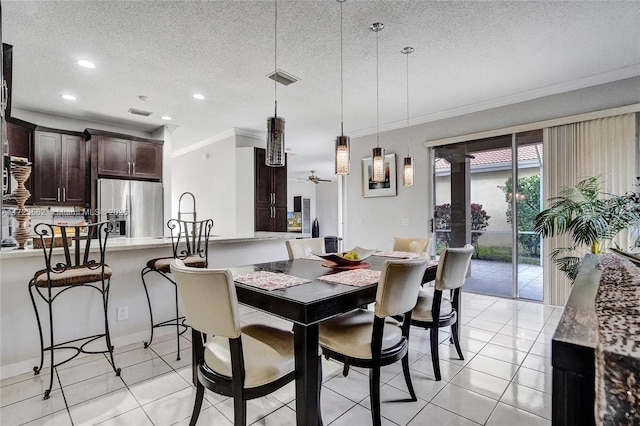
(270, 280)
(354, 277)
(398, 254)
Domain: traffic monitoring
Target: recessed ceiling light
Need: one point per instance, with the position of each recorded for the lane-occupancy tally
(166, 117)
(198, 96)
(86, 64)
(69, 97)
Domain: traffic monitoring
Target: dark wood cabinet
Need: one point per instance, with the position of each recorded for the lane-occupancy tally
(20, 144)
(125, 156)
(270, 195)
(59, 168)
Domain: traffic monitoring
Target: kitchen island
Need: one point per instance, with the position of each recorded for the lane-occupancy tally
(20, 347)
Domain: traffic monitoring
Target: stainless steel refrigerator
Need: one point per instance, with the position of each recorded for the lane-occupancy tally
(135, 206)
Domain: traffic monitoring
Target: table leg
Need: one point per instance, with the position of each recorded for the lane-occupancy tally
(308, 375)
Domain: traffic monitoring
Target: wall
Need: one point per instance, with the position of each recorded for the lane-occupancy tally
(327, 208)
(372, 222)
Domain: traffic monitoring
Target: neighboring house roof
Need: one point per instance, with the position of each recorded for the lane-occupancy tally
(500, 158)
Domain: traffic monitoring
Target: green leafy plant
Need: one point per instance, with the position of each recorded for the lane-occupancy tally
(590, 216)
(528, 199)
(442, 222)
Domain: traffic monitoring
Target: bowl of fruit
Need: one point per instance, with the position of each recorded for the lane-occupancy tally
(348, 258)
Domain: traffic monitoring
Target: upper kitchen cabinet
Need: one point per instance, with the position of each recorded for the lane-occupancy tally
(59, 167)
(131, 157)
(20, 144)
(270, 195)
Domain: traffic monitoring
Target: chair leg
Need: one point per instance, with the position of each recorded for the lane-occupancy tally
(345, 370)
(177, 324)
(197, 405)
(47, 392)
(434, 353)
(239, 411)
(105, 302)
(37, 369)
(146, 291)
(407, 376)
(374, 392)
(456, 339)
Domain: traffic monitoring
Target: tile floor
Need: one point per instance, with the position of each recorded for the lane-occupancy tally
(505, 379)
(490, 277)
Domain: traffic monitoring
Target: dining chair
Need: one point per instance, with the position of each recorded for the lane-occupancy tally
(411, 244)
(243, 362)
(302, 247)
(78, 263)
(367, 339)
(190, 243)
(433, 311)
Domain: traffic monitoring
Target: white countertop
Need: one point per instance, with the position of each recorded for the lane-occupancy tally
(120, 243)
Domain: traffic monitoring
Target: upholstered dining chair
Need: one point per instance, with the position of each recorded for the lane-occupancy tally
(78, 263)
(243, 362)
(190, 243)
(411, 244)
(367, 339)
(302, 247)
(433, 311)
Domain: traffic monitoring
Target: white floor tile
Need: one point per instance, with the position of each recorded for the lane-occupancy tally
(539, 363)
(134, 356)
(484, 384)
(104, 408)
(256, 408)
(506, 415)
(208, 416)
(332, 404)
(512, 342)
(95, 387)
(465, 403)
(534, 379)
(434, 415)
(60, 418)
(355, 386)
(31, 409)
(135, 417)
(282, 416)
(34, 385)
(144, 370)
(76, 374)
(425, 385)
(501, 369)
(173, 408)
(396, 405)
(158, 387)
(358, 415)
(503, 353)
(528, 399)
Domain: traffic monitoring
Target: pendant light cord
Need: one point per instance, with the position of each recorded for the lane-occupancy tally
(341, 79)
(275, 61)
(377, 94)
(407, 127)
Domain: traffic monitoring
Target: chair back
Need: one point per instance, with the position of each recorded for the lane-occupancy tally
(76, 242)
(411, 244)
(209, 299)
(399, 286)
(190, 238)
(452, 267)
(304, 247)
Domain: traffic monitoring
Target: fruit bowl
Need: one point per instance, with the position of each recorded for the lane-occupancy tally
(340, 259)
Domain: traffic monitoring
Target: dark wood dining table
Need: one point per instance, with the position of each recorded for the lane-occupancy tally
(306, 305)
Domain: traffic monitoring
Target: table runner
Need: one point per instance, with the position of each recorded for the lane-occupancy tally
(355, 277)
(397, 254)
(618, 349)
(270, 280)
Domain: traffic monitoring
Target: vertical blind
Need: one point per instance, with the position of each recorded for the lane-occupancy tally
(572, 152)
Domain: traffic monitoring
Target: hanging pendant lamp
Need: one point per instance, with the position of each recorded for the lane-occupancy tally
(275, 155)
(342, 142)
(377, 174)
(408, 171)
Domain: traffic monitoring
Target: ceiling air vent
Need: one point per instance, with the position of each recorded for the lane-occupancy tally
(140, 112)
(283, 77)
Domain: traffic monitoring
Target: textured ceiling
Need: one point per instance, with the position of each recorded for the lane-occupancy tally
(468, 56)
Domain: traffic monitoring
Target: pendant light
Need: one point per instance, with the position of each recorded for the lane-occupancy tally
(377, 163)
(275, 156)
(342, 141)
(408, 160)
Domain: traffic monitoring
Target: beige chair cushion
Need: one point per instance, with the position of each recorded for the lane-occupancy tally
(411, 244)
(452, 267)
(76, 275)
(163, 264)
(303, 247)
(268, 354)
(423, 309)
(350, 334)
(399, 284)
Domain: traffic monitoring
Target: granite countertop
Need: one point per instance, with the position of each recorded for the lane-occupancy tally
(120, 243)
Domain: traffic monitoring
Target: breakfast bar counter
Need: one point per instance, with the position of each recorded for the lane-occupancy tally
(18, 330)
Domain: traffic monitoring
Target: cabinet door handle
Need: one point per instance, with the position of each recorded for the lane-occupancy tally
(58, 196)
(133, 168)
(64, 194)
(128, 167)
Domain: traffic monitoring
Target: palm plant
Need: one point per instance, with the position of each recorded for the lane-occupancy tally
(590, 216)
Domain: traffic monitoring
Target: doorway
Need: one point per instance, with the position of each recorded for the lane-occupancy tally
(476, 203)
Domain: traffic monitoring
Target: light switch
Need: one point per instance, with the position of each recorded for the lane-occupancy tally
(405, 221)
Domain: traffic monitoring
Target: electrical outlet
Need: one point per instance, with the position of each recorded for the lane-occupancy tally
(123, 313)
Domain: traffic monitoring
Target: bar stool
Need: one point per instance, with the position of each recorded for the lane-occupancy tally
(80, 267)
(190, 243)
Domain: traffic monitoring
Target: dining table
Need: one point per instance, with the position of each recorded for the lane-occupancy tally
(306, 305)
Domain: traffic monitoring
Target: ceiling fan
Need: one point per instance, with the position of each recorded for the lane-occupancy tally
(315, 179)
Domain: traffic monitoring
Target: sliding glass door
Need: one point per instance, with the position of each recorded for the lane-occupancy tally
(475, 202)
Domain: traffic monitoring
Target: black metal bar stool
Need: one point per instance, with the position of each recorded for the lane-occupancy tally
(190, 242)
(80, 267)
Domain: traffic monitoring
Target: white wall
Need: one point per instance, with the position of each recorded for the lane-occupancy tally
(209, 174)
(327, 207)
(372, 222)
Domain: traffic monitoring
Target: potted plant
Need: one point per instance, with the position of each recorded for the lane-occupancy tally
(591, 217)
